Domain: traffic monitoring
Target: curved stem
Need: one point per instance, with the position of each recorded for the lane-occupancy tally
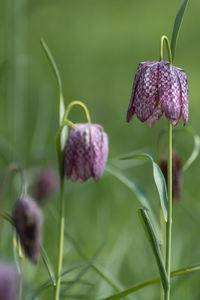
(169, 218)
(61, 240)
(165, 38)
(80, 103)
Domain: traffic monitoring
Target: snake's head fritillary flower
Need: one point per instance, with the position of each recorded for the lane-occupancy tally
(8, 282)
(86, 152)
(176, 173)
(159, 88)
(28, 222)
(45, 184)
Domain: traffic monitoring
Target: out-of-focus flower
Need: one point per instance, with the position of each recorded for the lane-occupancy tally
(86, 152)
(176, 173)
(159, 87)
(8, 282)
(45, 184)
(28, 222)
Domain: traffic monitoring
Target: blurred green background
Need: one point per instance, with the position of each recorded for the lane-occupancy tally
(97, 45)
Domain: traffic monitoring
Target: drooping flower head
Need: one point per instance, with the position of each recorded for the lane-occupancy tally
(159, 88)
(45, 184)
(176, 173)
(86, 152)
(28, 222)
(8, 282)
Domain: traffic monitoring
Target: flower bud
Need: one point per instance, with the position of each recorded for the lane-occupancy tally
(159, 88)
(28, 222)
(86, 152)
(176, 173)
(45, 184)
(8, 282)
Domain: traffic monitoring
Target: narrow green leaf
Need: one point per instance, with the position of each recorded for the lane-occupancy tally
(154, 244)
(140, 195)
(48, 265)
(7, 217)
(196, 149)
(194, 153)
(64, 133)
(158, 178)
(141, 285)
(177, 24)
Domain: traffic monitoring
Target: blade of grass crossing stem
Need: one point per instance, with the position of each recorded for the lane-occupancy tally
(158, 178)
(61, 98)
(48, 266)
(141, 285)
(177, 24)
(154, 244)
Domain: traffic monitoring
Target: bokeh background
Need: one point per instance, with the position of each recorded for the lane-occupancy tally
(97, 46)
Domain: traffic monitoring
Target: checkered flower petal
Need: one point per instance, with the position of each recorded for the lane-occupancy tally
(146, 94)
(156, 115)
(140, 70)
(86, 152)
(169, 92)
(184, 94)
(159, 88)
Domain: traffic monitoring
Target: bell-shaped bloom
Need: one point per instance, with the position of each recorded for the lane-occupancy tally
(45, 184)
(86, 152)
(176, 173)
(28, 222)
(159, 88)
(9, 281)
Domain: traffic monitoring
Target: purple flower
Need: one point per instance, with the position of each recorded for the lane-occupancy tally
(8, 282)
(86, 152)
(159, 87)
(176, 173)
(45, 184)
(28, 222)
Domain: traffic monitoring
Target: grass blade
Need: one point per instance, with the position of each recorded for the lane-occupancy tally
(177, 24)
(141, 285)
(158, 178)
(154, 244)
(61, 98)
(48, 266)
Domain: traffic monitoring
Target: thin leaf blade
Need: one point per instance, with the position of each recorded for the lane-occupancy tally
(177, 24)
(48, 266)
(158, 178)
(146, 222)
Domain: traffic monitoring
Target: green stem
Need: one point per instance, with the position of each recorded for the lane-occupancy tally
(165, 38)
(169, 219)
(61, 240)
(80, 103)
(169, 172)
